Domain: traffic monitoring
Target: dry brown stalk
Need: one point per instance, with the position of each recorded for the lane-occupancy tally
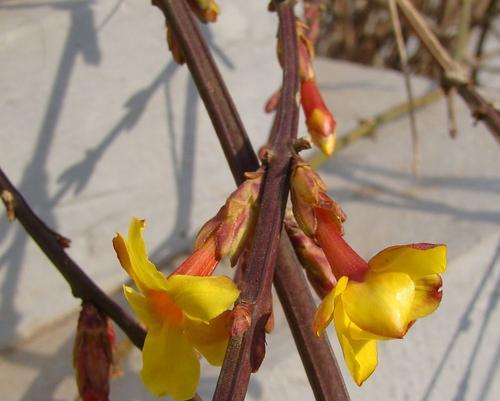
(406, 71)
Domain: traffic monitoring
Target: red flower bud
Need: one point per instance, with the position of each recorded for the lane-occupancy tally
(320, 122)
(93, 354)
(312, 258)
(205, 10)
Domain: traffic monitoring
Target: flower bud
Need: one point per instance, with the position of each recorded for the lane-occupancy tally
(241, 319)
(312, 16)
(320, 122)
(308, 193)
(273, 102)
(93, 354)
(312, 258)
(306, 52)
(174, 47)
(205, 10)
(8, 200)
(233, 225)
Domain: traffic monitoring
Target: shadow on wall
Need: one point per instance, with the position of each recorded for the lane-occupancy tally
(82, 40)
(463, 326)
(372, 177)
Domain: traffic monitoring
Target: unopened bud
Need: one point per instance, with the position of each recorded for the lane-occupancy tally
(241, 319)
(269, 327)
(173, 45)
(205, 10)
(273, 102)
(308, 193)
(312, 258)
(306, 183)
(8, 200)
(320, 122)
(258, 347)
(306, 52)
(93, 354)
(312, 17)
(234, 224)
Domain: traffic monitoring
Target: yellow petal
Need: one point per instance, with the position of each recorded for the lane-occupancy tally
(427, 296)
(381, 303)
(140, 306)
(169, 364)
(360, 355)
(202, 298)
(210, 339)
(324, 314)
(133, 258)
(417, 260)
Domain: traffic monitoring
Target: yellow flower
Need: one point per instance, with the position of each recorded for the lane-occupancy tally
(182, 313)
(378, 300)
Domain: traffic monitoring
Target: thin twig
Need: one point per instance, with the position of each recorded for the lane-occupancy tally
(459, 55)
(485, 28)
(396, 25)
(463, 30)
(452, 69)
(451, 113)
(81, 285)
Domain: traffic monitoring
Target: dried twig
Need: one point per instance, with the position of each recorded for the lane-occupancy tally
(450, 111)
(463, 30)
(453, 73)
(406, 72)
(485, 28)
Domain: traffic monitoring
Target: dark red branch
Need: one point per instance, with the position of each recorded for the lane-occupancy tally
(317, 356)
(243, 349)
(316, 352)
(81, 285)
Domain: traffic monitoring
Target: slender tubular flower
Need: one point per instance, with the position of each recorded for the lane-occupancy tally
(378, 300)
(182, 313)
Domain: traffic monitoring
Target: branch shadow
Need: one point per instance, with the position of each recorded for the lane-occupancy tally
(183, 165)
(349, 171)
(462, 327)
(81, 40)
